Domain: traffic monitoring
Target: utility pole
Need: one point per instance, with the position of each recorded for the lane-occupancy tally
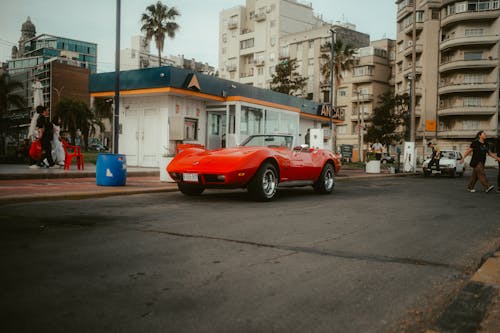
(116, 113)
(413, 73)
(360, 148)
(332, 92)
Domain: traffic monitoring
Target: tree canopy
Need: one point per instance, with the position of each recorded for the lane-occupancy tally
(76, 115)
(286, 79)
(389, 119)
(157, 22)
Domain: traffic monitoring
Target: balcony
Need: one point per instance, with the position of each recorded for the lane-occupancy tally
(484, 15)
(232, 25)
(259, 62)
(260, 16)
(460, 133)
(362, 98)
(231, 68)
(468, 64)
(409, 29)
(486, 40)
(452, 88)
(448, 111)
(408, 70)
(362, 78)
(408, 51)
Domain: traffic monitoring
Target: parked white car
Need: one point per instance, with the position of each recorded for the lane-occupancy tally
(449, 164)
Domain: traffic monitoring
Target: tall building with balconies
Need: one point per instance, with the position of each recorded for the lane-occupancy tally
(249, 37)
(469, 54)
(456, 72)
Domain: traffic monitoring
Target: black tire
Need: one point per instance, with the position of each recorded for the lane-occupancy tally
(326, 180)
(190, 189)
(460, 174)
(264, 184)
(427, 173)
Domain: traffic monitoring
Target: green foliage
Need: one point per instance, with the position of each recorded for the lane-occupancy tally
(75, 115)
(287, 80)
(157, 22)
(343, 60)
(103, 108)
(389, 119)
(8, 97)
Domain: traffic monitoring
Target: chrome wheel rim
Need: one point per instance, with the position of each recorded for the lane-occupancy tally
(329, 180)
(269, 183)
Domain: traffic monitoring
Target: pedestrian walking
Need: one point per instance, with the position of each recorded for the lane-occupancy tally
(58, 154)
(435, 157)
(479, 149)
(45, 130)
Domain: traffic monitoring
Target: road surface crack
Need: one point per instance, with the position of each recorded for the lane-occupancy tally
(322, 252)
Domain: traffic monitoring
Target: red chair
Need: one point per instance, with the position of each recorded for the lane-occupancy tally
(70, 152)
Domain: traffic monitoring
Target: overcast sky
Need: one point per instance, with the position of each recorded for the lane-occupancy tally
(94, 21)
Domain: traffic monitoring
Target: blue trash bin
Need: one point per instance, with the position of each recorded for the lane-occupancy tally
(111, 170)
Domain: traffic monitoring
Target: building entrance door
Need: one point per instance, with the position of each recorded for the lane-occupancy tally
(141, 130)
(216, 129)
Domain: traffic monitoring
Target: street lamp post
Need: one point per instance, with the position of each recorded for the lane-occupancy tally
(116, 113)
(332, 92)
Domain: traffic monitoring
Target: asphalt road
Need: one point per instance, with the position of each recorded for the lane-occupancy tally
(378, 255)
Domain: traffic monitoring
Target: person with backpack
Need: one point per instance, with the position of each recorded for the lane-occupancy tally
(479, 149)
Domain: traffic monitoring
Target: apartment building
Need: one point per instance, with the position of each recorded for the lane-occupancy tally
(139, 56)
(469, 68)
(456, 49)
(249, 37)
(371, 76)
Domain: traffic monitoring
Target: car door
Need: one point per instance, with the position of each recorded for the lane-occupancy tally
(459, 166)
(301, 165)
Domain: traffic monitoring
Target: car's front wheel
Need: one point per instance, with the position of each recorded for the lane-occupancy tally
(326, 180)
(190, 189)
(264, 184)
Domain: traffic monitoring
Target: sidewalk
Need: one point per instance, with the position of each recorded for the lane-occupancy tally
(19, 182)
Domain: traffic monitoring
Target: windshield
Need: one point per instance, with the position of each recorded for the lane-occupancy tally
(271, 141)
(448, 154)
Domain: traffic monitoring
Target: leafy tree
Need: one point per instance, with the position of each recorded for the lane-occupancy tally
(286, 79)
(8, 97)
(75, 115)
(389, 119)
(343, 60)
(158, 21)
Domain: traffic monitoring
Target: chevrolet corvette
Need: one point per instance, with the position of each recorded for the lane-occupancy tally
(261, 164)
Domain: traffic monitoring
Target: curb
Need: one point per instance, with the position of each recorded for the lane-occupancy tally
(471, 308)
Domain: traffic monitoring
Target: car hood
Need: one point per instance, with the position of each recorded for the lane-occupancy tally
(212, 160)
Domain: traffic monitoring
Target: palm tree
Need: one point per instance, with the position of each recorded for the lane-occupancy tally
(158, 21)
(343, 61)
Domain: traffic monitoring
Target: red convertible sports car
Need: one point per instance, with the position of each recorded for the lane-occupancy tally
(262, 163)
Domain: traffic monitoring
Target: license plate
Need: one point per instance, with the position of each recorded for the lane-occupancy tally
(190, 177)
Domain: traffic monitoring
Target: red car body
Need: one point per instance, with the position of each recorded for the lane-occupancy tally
(260, 164)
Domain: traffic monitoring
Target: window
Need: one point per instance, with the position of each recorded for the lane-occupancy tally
(435, 14)
(247, 43)
(260, 71)
(472, 101)
(470, 125)
(473, 55)
(362, 71)
(284, 52)
(473, 78)
(474, 32)
(191, 129)
(342, 92)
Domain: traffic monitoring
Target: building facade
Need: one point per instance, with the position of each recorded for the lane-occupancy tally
(455, 49)
(163, 107)
(139, 56)
(250, 37)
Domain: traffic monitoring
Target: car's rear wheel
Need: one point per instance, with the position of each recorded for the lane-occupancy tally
(326, 180)
(264, 184)
(190, 189)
